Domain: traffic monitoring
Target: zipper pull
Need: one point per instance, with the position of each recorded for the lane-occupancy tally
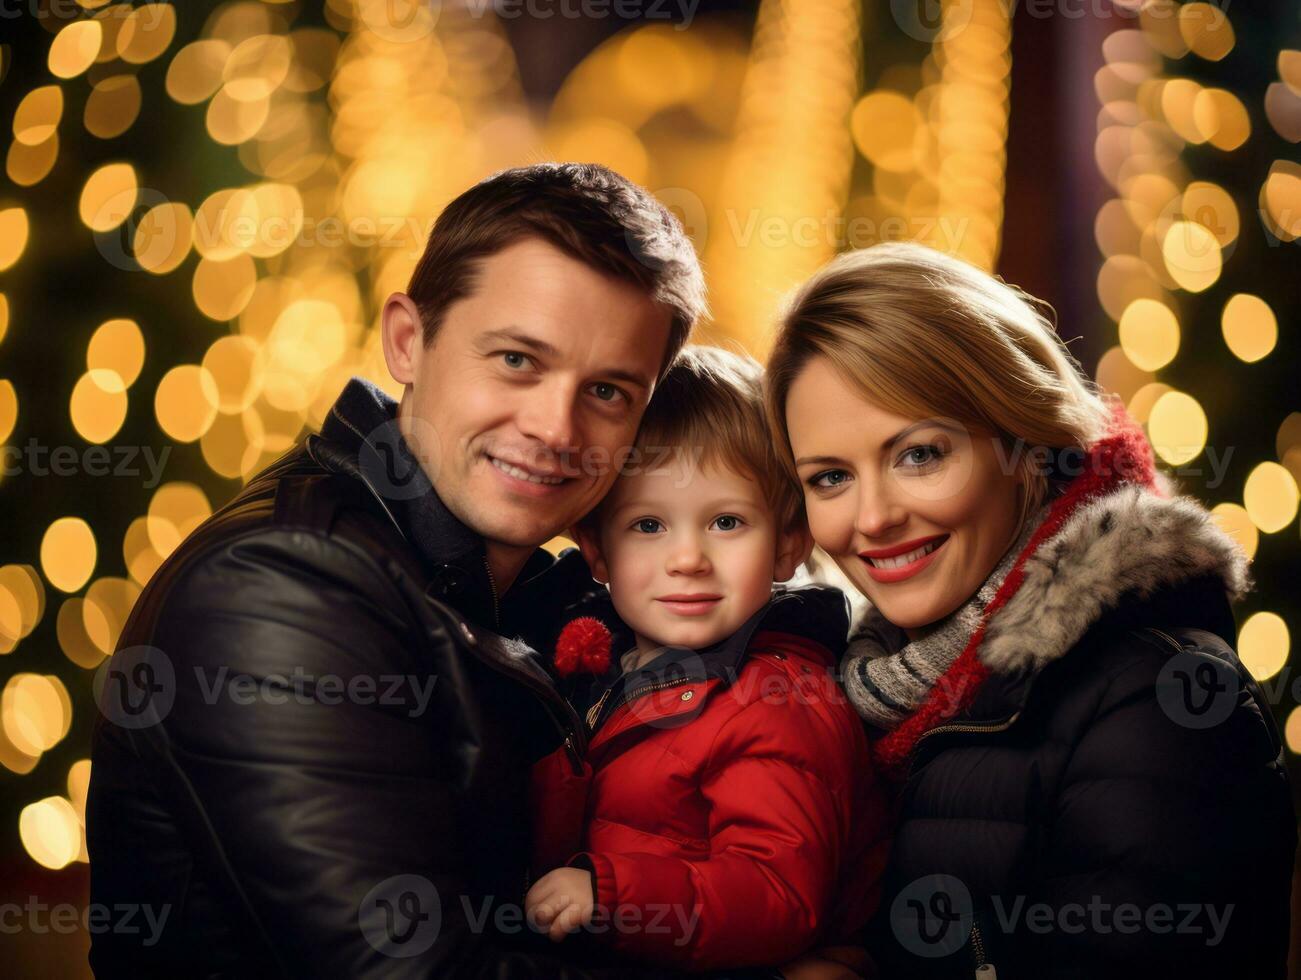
(986, 972)
(594, 711)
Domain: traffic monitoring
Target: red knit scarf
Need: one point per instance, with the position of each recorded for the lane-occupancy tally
(1122, 456)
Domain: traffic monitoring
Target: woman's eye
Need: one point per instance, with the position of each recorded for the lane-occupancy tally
(828, 479)
(918, 456)
(728, 522)
(648, 525)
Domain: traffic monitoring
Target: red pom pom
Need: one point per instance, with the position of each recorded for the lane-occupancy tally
(584, 645)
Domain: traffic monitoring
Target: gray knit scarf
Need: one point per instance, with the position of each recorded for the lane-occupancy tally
(888, 677)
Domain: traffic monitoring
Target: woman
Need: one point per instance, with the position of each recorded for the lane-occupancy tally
(1088, 778)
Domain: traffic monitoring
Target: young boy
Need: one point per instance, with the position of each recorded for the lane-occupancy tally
(724, 814)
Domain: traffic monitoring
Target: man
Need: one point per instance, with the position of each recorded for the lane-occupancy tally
(314, 744)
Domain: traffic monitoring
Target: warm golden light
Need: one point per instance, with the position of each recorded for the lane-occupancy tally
(163, 238)
(175, 510)
(50, 832)
(1270, 497)
(105, 610)
(75, 48)
(38, 114)
(1250, 328)
(117, 346)
(98, 405)
(13, 236)
(196, 70)
(1192, 255)
(1149, 334)
(1263, 645)
(1206, 30)
(1280, 200)
(146, 33)
(112, 106)
(68, 553)
(186, 402)
(1234, 520)
(109, 196)
(1177, 427)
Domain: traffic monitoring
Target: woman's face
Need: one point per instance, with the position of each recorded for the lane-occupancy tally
(916, 512)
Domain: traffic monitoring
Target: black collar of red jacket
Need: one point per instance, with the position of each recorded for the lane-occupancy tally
(816, 613)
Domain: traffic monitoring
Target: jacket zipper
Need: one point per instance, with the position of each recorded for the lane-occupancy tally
(492, 587)
(594, 713)
(944, 729)
(978, 947)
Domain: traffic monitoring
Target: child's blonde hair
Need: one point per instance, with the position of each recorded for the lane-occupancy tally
(922, 334)
(710, 403)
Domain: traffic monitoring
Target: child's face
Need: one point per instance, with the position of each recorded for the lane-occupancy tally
(690, 552)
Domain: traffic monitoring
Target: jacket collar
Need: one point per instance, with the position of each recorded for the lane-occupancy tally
(360, 437)
(817, 613)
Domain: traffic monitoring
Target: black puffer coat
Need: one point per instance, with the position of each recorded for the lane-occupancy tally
(1114, 802)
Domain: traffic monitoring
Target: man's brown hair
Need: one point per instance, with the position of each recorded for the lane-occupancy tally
(588, 212)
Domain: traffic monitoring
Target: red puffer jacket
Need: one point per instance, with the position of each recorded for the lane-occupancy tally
(726, 804)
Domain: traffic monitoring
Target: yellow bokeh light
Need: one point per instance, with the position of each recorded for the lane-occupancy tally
(1289, 69)
(98, 405)
(1192, 255)
(1280, 200)
(75, 48)
(1149, 334)
(186, 402)
(233, 445)
(1140, 404)
(29, 165)
(1292, 731)
(146, 33)
(138, 552)
(117, 346)
(79, 786)
(4, 316)
(50, 832)
(175, 510)
(195, 73)
(232, 121)
(1177, 427)
(223, 289)
(1263, 644)
(1270, 497)
(70, 628)
(37, 116)
(22, 603)
(68, 553)
(1211, 206)
(1234, 520)
(257, 67)
(1206, 30)
(885, 125)
(1250, 327)
(13, 236)
(1222, 118)
(105, 610)
(36, 710)
(237, 365)
(163, 237)
(8, 409)
(112, 106)
(109, 196)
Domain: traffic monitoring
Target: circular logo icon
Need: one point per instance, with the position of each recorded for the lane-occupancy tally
(400, 468)
(1197, 690)
(929, 21)
(690, 210)
(932, 917)
(401, 916)
(135, 225)
(136, 687)
(399, 21)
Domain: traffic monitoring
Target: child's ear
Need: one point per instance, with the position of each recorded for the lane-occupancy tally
(793, 550)
(589, 543)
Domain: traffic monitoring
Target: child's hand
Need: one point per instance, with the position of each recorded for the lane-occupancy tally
(561, 901)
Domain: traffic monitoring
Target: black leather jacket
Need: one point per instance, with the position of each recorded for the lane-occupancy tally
(313, 748)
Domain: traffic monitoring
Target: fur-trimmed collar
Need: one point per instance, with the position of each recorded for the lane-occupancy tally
(1131, 543)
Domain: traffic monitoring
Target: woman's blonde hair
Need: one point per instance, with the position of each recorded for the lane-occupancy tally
(922, 334)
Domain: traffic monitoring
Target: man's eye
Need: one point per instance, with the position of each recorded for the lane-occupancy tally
(648, 525)
(514, 359)
(607, 392)
(728, 522)
(828, 479)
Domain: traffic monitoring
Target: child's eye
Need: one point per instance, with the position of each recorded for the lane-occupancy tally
(828, 479)
(727, 522)
(918, 457)
(648, 525)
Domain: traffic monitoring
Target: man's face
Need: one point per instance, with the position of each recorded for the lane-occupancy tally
(531, 391)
